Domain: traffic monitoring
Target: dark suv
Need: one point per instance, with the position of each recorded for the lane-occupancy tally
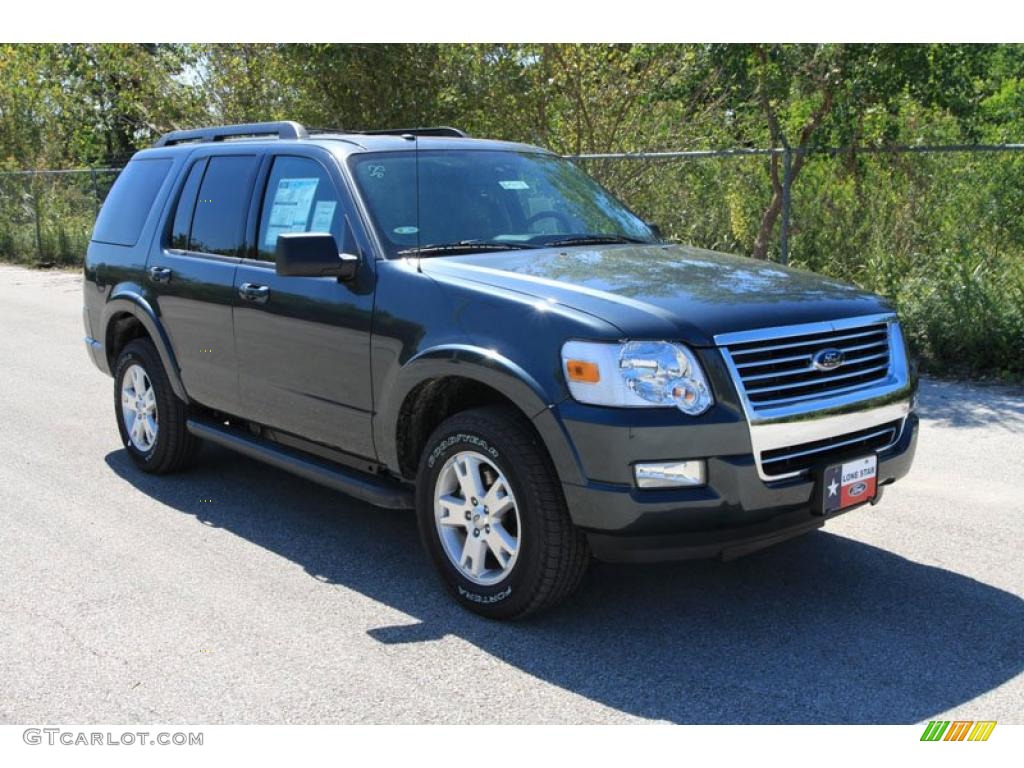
(477, 330)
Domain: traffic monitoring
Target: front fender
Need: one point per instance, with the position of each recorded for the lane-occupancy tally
(128, 299)
(489, 368)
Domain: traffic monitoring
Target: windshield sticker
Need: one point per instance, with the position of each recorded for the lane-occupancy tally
(406, 230)
(323, 215)
(290, 209)
(513, 184)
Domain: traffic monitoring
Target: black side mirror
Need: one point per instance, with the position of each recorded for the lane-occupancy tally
(313, 254)
(655, 229)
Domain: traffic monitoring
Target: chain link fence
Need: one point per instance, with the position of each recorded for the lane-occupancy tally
(722, 175)
(937, 229)
(710, 198)
(46, 217)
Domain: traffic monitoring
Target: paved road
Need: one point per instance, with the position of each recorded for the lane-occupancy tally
(236, 593)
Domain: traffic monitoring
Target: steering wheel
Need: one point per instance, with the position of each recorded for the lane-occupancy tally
(561, 217)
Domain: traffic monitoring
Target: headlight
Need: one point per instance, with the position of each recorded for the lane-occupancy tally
(636, 374)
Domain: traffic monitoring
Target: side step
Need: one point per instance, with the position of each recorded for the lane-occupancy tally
(365, 487)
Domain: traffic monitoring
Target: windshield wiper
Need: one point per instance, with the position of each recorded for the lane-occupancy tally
(463, 246)
(593, 240)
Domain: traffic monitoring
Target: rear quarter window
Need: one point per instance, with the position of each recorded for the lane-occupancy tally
(127, 206)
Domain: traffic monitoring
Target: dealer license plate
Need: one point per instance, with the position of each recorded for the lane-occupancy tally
(849, 484)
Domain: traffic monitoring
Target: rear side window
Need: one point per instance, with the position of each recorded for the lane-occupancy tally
(182, 227)
(218, 222)
(125, 210)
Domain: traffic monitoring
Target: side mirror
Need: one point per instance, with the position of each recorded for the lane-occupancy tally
(313, 254)
(655, 229)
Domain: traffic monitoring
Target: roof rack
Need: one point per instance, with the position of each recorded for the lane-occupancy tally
(441, 130)
(285, 129)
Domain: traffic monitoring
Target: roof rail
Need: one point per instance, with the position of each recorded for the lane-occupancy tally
(442, 130)
(284, 129)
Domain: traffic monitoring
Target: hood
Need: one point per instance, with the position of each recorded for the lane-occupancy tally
(665, 291)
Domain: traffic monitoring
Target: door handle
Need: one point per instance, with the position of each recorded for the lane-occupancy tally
(253, 292)
(160, 274)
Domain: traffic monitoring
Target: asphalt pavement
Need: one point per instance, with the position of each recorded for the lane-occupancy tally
(236, 593)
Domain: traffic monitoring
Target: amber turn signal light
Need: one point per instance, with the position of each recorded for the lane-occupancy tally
(580, 370)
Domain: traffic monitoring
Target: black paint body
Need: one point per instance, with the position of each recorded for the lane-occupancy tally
(333, 362)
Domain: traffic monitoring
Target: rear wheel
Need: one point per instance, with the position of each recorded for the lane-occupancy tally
(150, 417)
(493, 518)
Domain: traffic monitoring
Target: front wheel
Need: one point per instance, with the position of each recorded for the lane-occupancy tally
(492, 516)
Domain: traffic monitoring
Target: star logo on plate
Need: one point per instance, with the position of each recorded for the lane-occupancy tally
(833, 487)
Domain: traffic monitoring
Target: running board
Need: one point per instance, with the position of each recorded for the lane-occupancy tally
(362, 486)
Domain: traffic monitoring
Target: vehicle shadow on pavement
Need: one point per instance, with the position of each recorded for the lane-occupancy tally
(821, 629)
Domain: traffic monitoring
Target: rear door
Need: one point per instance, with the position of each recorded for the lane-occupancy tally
(192, 274)
(303, 343)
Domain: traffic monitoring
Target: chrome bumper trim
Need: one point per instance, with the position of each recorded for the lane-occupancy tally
(793, 433)
(858, 437)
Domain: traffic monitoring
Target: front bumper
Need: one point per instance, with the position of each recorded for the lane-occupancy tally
(734, 513)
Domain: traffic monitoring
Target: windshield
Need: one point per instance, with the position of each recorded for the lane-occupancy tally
(477, 200)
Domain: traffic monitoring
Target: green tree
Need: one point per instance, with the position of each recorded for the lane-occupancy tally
(806, 96)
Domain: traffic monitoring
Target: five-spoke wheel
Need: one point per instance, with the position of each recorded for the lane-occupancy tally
(477, 519)
(152, 420)
(492, 515)
(138, 408)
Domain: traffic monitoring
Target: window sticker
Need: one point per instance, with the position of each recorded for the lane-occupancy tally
(513, 184)
(406, 230)
(323, 215)
(290, 209)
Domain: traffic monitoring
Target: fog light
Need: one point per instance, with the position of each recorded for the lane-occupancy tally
(670, 474)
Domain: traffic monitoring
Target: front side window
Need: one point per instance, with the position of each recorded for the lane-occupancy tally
(218, 222)
(522, 199)
(300, 197)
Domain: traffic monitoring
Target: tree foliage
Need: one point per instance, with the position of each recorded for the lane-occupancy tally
(938, 233)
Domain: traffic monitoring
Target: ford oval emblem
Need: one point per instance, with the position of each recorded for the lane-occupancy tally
(827, 359)
(858, 489)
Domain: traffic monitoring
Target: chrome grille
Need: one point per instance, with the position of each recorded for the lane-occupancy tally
(777, 371)
(796, 459)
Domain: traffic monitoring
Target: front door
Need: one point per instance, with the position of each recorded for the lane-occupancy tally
(303, 343)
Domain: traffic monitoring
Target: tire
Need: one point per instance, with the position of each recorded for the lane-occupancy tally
(166, 445)
(522, 504)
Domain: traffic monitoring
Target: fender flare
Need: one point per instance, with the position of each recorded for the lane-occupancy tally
(128, 301)
(486, 367)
